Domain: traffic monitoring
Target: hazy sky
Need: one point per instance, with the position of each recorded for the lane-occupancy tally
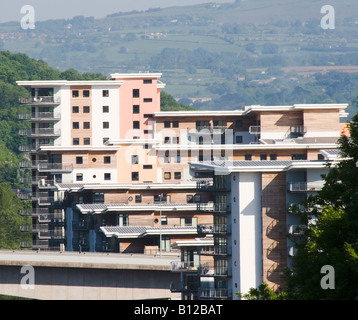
(57, 9)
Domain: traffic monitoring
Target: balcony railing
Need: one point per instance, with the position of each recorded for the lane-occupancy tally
(298, 129)
(55, 167)
(43, 231)
(255, 129)
(214, 229)
(46, 184)
(213, 207)
(216, 250)
(303, 187)
(42, 132)
(32, 148)
(203, 186)
(40, 116)
(215, 293)
(177, 286)
(180, 266)
(51, 100)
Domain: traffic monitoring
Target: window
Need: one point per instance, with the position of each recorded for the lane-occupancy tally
(177, 175)
(166, 124)
(166, 140)
(164, 221)
(136, 125)
(177, 158)
(248, 157)
(190, 198)
(273, 156)
(136, 109)
(86, 93)
(187, 222)
(320, 157)
(86, 141)
(135, 176)
(107, 160)
(299, 157)
(167, 175)
(75, 125)
(75, 109)
(147, 81)
(148, 116)
(263, 157)
(105, 93)
(175, 124)
(86, 125)
(138, 199)
(148, 166)
(238, 139)
(105, 125)
(79, 177)
(86, 109)
(148, 131)
(107, 176)
(98, 197)
(148, 100)
(136, 93)
(167, 158)
(135, 160)
(79, 160)
(175, 140)
(76, 141)
(75, 94)
(105, 109)
(147, 146)
(105, 140)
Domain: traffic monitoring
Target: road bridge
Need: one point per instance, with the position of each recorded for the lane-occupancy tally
(86, 276)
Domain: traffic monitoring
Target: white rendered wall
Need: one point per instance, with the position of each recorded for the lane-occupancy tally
(247, 251)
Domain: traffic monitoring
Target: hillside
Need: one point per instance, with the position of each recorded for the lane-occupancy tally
(220, 56)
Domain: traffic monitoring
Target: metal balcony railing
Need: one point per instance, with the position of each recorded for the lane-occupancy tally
(303, 187)
(40, 116)
(42, 132)
(55, 167)
(214, 207)
(51, 100)
(215, 293)
(180, 266)
(214, 229)
(298, 129)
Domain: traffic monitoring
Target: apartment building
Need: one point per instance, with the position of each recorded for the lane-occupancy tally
(110, 172)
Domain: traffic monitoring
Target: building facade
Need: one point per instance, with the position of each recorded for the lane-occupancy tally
(110, 172)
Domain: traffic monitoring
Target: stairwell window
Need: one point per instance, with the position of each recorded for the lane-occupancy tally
(136, 93)
(105, 93)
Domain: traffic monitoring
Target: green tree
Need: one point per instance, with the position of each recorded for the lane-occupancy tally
(331, 237)
(263, 292)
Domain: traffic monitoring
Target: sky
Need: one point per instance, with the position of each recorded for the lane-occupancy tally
(65, 9)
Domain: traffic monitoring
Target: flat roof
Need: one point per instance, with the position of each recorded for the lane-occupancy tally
(138, 75)
(63, 83)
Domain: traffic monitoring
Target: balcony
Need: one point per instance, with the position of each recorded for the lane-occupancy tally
(204, 186)
(214, 229)
(218, 250)
(40, 100)
(303, 187)
(55, 167)
(297, 230)
(255, 129)
(42, 214)
(298, 130)
(177, 286)
(40, 116)
(41, 132)
(43, 231)
(33, 148)
(181, 266)
(44, 184)
(215, 293)
(221, 208)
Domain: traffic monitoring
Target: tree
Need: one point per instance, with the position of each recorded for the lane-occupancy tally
(263, 292)
(331, 238)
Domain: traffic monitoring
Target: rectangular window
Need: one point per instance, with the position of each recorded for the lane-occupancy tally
(86, 93)
(175, 124)
(148, 166)
(166, 124)
(175, 140)
(177, 158)
(147, 146)
(177, 175)
(98, 197)
(86, 109)
(136, 125)
(107, 160)
(166, 140)
(164, 221)
(105, 93)
(136, 93)
(273, 156)
(75, 94)
(147, 81)
(135, 109)
(263, 157)
(86, 141)
(75, 109)
(135, 160)
(107, 176)
(79, 160)
(135, 176)
(105, 109)
(148, 100)
(79, 177)
(105, 140)
(148, 116)
(86, 125)
(167, 158)
(167, 175)
(75, 125)
(148, 131)
(105, 125)
(299, 157)
(76, 141)
(138, 199)
(248, 157)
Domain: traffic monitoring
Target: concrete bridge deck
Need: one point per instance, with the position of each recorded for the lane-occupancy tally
(87, 276)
